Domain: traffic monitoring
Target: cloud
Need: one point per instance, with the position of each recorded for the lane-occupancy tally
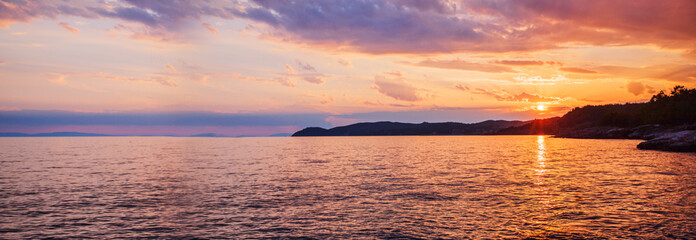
(622, 22)
(60, 78)
(394, 26)
(373, 26)
(576, 70)
(395, 73)
(507, 97)
(325, 99)
(458, 64)
(345, 63)
(638, 88)
(67, 26)
(396, 88)
(152, 20)
(313, 78)
(202, 75)
(435, 114)
(520, 62)
(681, 73)
(210, 28)
(163, 80)
(635, 88)
(170, 68)
(539, 80)
(691, 54)
(289, 69)
(526, 97)
(478, 26)
(463, 88)
(306, 66)
(283, 80)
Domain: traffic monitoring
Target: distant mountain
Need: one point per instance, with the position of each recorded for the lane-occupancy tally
(14, 134)
(667, 121)
(396, 128)
(81, 134)
(53, 134)
(207, 135)
(280, 135)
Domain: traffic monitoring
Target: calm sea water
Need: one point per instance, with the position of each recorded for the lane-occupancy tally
(343, 187)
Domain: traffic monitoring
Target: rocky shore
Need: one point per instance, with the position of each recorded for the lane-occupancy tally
(682, 141)
(658, 137)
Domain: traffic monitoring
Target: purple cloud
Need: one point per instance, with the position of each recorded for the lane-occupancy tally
(405, 26)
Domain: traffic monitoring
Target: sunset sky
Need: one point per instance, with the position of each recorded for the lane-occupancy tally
(264, 67)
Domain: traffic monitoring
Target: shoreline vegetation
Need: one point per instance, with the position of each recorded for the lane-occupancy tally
(667, 122)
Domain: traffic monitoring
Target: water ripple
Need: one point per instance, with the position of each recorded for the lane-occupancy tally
(446, 187)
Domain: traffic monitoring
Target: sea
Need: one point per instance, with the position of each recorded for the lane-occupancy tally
(385, 187)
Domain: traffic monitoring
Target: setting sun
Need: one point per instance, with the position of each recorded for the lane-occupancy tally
(541, 107)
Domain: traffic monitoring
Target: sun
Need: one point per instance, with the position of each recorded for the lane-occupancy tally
(541, 107)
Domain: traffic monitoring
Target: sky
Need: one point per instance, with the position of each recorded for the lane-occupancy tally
(270, 66)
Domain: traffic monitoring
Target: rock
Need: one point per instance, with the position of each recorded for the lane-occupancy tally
(596, 133)
(682, 141)
(647, 132)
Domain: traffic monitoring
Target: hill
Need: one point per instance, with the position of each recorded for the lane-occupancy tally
(396, 128)
(667, 121)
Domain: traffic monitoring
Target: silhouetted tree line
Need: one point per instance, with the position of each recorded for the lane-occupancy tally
(674, 108)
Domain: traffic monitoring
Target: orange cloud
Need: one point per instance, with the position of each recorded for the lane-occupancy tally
(60, 78)
(520, 62)
(285, 81)
(507, 97)
(396, 88)
(210, 28)
(67, 26)
(576, 70)
(307, 73)
(682, 73)
(458, 64)
(638, 88)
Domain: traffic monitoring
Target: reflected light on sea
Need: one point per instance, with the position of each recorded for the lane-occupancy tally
(344, 187)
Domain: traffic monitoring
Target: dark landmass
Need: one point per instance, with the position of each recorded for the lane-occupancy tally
(207, 135)
(667, 122)
(396, 129)
(281, 135)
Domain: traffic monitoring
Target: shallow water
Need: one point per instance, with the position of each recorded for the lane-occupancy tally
(343, 187)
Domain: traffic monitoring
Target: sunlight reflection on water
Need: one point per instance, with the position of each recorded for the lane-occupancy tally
(343, 187)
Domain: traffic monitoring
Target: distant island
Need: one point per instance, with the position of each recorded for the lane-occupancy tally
(83, 134)
(667, 122)
(54, 134)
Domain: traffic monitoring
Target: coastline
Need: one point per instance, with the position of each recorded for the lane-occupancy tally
(680, 138)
